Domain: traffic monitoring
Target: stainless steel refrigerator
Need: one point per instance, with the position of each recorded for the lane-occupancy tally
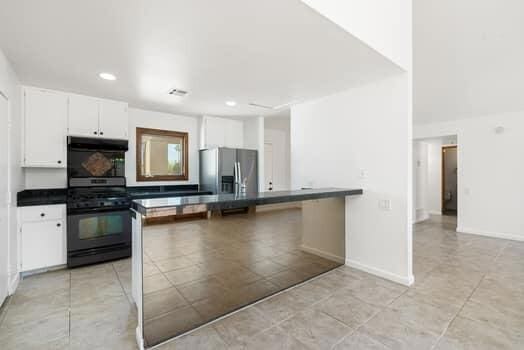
(229, 170)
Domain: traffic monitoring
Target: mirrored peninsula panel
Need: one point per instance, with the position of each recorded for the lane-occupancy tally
(199, 268)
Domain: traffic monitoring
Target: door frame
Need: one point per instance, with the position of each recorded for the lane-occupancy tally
(443, 177)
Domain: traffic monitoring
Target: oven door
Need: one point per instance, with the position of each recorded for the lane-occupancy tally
(96, 228)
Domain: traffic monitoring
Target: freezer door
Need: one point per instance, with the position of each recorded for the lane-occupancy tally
(226, 170)
(209, 170)
(248, 164)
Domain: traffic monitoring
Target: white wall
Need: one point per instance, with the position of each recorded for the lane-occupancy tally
(361, 138)
(490, 172)
(10, 86)
(57, 178)
(383, 25)
(157, 120)
(420, 181)
(254, 139)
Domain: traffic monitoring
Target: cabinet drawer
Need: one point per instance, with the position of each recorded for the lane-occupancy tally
(42, 213)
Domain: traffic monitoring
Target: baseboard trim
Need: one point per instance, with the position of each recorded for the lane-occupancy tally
(424, 218)
(405, 280)
(13, 283)
(326, 255)
(434, 212)
(502, 235)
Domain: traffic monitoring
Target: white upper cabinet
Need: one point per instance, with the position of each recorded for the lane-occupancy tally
(113, 119)
(45, 128)
(83, 116)
(222, 132)
(94, 117)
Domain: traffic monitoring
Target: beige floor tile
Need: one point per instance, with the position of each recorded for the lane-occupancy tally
(44, 284)
(170, 264)
(315, 329)
(90, 289)
(359, 341)
(22, 310)
(281, 306)
(266, 268)
(347, 309)
(170, 325)
(49, 332)
(162, 301)
(387, 329)
(205, 338)
(417, 314)
(149, 269)
(465, 334)
(239, 327)
(287, 278)
(155, 283)
(311, 293)
(203, 289)
(373, 292)
(92, 323)
(186, 275)
(273, 338)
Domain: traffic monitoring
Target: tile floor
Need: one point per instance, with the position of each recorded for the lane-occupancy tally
(197, 271)
(468, 294)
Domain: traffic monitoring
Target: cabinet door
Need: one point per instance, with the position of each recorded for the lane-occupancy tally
(56, 249)
(234, 134)
(214, 132)
(113, 119)
(83, 116)
(43, 244)
(45, 128)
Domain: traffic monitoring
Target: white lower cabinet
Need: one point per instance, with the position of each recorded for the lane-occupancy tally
(43, 237)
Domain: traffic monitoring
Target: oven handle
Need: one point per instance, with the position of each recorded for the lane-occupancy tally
(96, 210)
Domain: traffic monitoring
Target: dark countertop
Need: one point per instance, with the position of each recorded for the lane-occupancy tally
(41, 197)
(232, 201)
(50, 196)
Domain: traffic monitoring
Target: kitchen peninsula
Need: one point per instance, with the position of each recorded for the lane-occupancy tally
(188, 273)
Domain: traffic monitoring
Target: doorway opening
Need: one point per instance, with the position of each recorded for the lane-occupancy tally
(449, 180)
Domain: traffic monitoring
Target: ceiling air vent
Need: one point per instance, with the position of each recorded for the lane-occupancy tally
(178, 92)
(272, 107)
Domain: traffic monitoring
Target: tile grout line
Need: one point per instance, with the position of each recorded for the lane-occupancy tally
(121, 284)
(458, 312)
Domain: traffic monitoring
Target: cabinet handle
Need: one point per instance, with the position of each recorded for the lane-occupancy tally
(58, 225)
(59, 162)
(95, 132)
(42, 214)
(101, 133)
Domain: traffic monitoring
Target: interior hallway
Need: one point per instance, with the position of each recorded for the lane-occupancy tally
(467, 295)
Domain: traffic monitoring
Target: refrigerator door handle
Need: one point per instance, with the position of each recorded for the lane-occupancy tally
(236, 175)
(240, 181)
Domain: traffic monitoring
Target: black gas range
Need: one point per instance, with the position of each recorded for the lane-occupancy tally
(98, 217)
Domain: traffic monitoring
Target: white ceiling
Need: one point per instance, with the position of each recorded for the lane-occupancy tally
(270, 52)
(468, 58)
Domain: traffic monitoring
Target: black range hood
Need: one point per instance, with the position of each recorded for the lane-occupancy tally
(91, 143)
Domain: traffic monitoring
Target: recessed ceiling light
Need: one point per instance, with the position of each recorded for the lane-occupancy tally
(107, 76)
(231, 103)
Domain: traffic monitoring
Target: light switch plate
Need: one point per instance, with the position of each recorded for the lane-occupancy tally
(384, 204)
